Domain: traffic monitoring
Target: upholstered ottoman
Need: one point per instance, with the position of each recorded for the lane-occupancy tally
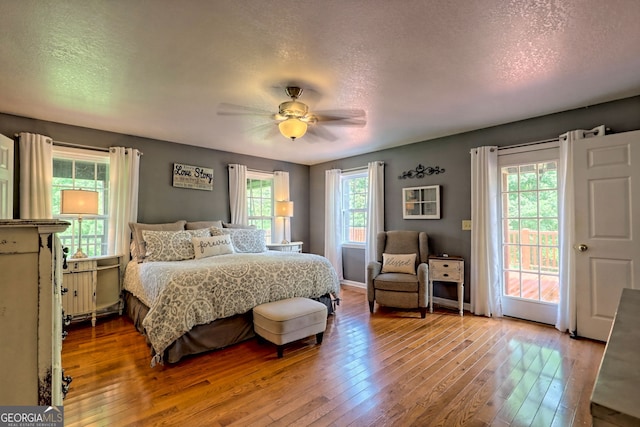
(288, 320)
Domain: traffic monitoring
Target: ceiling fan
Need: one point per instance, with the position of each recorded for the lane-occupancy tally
(294, 119)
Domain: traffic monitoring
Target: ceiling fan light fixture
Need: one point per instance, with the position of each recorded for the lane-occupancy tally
(293, 109)
(292, 128)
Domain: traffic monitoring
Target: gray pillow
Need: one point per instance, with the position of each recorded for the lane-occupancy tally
(248, 240)
(136, 229)
(197, 225)
(230, 225)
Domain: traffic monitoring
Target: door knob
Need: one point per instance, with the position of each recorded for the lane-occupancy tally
(582, 247)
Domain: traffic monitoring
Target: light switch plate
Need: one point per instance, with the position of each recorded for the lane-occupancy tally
(466, 224)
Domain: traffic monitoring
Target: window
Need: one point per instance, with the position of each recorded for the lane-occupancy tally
(260, 201)
(86, 170)
(355, 200)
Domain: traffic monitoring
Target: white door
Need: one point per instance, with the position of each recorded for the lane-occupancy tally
(6, 177)
(607, 203)
(529, 230)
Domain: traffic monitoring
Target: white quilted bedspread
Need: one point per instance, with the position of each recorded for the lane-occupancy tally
(182, 294)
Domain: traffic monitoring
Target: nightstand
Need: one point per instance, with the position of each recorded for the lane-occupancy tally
(93, 286)
(447, 269)
(285, 247)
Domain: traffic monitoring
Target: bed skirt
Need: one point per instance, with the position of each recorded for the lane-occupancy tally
(212, 336)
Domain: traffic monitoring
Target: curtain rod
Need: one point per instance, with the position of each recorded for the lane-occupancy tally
(232, 166)
(83, 147)
(80, 146)
(360, 167)
(527, 144)
(544, 141)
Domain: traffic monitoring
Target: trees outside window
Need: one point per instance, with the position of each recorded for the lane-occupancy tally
(355, 199)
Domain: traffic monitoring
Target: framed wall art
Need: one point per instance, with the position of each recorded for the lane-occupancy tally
(421, 202)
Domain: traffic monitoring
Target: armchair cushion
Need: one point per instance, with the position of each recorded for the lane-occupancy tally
(399, 282)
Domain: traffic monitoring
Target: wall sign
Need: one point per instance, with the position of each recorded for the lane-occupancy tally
(186, 176)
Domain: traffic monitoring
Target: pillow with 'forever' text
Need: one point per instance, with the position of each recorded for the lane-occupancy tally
(211, 246)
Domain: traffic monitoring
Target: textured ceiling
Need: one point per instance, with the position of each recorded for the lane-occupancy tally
(420, 69)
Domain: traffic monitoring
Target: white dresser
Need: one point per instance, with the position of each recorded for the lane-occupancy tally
(31, 313)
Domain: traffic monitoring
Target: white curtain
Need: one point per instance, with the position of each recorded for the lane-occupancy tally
(485, 247)
(333, 220)
(281, 191)
(124, 167)
(36, 175)
(238, 193)
(375, 210)
(566, 319)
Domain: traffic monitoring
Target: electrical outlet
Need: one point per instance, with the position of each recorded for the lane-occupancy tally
(466, 224)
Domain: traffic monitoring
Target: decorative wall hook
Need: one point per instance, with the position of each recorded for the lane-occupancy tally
(421, 171)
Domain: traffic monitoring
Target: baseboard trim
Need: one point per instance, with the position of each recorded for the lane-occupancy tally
(354, 286)
(362, 287)
(450, 303)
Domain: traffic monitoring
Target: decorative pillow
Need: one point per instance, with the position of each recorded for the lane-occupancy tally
(242, 226)
(171, 245)
(133, 251)
(196, 225)
(211, 246)
(215, 231)
(138, 239)
(248, 240)
(399, 263)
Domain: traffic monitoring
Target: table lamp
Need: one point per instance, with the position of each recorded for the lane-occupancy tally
(79, 202)
(284, 209)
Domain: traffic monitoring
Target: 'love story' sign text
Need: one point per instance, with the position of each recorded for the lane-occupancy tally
(186, 176)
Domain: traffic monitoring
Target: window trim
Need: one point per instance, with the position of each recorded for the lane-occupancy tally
(357, 173)
(92, 156)
(262, 176)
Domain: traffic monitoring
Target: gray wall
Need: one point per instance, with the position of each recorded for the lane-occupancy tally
(159, 201)
(452, 154)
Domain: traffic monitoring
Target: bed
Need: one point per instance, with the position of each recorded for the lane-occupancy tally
(189, 306)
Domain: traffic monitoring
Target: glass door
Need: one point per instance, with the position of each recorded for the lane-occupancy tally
(529, 228)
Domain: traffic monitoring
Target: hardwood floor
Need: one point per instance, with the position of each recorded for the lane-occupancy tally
(387, 369)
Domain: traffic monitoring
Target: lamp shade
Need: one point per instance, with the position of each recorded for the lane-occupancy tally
(79, 202)
(292, 128)
(284, 208)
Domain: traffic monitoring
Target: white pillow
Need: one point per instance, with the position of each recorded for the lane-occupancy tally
(211, 246)
(399, 263)
(171, 245)
(248, 240)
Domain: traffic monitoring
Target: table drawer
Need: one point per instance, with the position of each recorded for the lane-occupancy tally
(445, 270)
(74, 266)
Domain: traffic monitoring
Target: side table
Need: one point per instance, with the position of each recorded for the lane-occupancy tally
(447, 269)
(285, 247)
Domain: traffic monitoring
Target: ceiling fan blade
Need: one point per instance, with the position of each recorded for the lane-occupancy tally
(226, 109)
(328, 115)
(266, 131)
(343, 122)
(341, 117)
(321, 132)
